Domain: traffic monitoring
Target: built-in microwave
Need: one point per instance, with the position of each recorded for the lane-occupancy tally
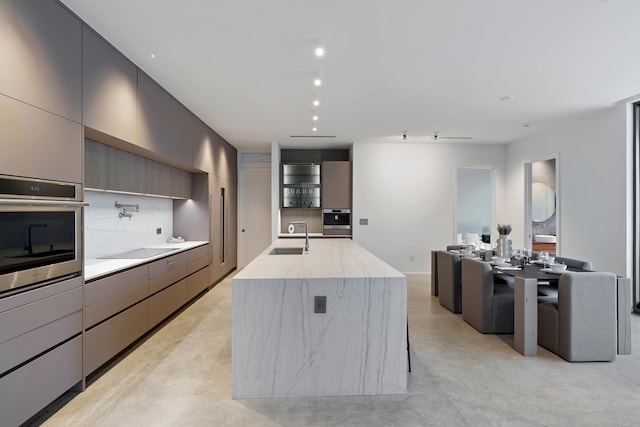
(336, 219)
(41, 229)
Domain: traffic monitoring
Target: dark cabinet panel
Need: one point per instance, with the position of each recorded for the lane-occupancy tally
(109, 88)
(41, 65)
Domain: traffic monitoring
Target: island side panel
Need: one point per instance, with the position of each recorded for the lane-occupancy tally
(281, 348)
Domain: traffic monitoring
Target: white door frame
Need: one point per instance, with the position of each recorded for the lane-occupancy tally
(528, 208)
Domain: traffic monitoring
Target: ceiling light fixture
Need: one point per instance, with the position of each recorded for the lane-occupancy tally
(317, 81)
(316, 102)
(507, 98)
(314, 129)
(404, 135)
(315, 118)
(152, 56)
(319, 51)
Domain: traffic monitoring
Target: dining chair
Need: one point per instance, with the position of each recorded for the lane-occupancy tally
(486, 305)
(574, 263)
(581, 325)
(449, 285)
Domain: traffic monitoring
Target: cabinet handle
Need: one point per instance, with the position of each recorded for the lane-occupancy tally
(170, 261)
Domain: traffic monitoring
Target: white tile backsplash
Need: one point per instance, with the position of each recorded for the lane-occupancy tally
(105, 233)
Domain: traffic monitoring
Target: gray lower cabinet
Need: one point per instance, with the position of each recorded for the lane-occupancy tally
(42, 327)
(122, 307)
(166, 271)
(165, 302)
(109, 338)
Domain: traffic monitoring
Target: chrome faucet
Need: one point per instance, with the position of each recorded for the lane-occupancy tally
(29, 247)
(306, 232)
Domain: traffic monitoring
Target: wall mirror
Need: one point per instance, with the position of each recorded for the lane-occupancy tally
(543, 201)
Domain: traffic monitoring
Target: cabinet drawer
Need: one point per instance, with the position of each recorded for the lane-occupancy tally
(111, 337)
(166, 271)
(105, 297)
(28, 317)
(166, 302)
(26, 346)
(197, 282)
(32, 387)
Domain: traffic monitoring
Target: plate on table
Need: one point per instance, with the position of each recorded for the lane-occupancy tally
(503, 265)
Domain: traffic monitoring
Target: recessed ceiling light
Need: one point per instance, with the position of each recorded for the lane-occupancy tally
(315, 118)
(316, 102)
(526, 125)
(507, 98)
(314, 129)
(319, 51)
(317, 81)
(152, 56)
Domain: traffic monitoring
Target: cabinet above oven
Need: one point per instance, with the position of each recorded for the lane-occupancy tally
(300, 186)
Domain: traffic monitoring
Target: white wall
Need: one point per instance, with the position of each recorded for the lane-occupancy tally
(406, 191)
(593, 221)
(105, 233)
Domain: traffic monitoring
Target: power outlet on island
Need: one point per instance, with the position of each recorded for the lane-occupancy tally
(158, 230)
(320, 304)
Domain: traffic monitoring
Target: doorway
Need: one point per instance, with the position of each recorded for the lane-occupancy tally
(254, 213)
(474, 206)
(542, 208)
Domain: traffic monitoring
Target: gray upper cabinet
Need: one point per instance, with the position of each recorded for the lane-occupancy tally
(95, 165)
(180, 184)
(154, 116)
(157, 178)
(125, 172)
(110, 92)
(39, 144)
(41, 47)
(336, 185)
(183, 124)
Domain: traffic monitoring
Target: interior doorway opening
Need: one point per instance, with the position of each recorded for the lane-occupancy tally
(542, 224)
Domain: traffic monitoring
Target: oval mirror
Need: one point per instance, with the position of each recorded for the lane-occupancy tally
(543, 201)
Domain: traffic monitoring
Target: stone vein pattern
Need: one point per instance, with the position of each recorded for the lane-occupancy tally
(280, 347)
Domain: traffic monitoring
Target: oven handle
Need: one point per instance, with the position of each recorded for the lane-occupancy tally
(27, 202)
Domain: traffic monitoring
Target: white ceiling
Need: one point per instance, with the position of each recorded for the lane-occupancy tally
(246, 67)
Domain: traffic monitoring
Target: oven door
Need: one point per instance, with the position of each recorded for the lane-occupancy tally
(40, 241)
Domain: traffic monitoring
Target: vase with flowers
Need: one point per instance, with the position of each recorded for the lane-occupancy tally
(503, 245)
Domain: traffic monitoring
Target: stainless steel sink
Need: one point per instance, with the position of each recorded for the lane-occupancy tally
(286, 251)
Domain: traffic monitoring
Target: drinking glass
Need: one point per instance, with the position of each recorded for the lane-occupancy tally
(544, 257)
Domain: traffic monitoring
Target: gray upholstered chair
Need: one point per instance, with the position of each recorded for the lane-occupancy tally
(486, 305)
(574, 263)
(449, 286)
(581, 326)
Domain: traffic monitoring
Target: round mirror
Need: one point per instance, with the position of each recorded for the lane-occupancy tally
(543, 200)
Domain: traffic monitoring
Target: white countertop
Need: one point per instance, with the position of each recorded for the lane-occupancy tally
(327, 258)
(94, 268)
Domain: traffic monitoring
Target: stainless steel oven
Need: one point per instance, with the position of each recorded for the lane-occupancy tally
(40, 232)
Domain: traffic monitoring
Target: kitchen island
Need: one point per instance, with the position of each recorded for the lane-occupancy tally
(282, 347)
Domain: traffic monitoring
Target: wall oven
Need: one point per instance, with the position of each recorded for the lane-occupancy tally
(40, 232)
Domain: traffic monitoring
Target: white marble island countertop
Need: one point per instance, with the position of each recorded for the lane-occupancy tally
(326, 258)
(282, 346)
(98, 267)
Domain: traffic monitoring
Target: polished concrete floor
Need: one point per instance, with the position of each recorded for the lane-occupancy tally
(181, 376)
